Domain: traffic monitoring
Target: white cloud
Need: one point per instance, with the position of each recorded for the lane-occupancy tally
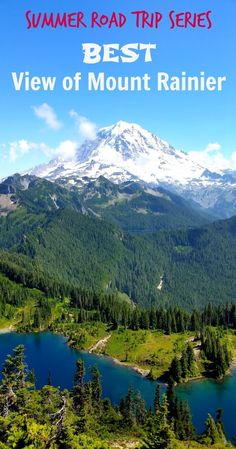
(212, 147)
(47, 113)
(213, 158)
(66, 149)
(21, 147)
(14, 150)
(85, 128)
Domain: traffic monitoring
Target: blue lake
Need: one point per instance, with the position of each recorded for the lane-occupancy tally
(46, 351)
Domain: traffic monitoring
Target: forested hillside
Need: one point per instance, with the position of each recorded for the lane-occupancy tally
(58, 242)
(138, 208)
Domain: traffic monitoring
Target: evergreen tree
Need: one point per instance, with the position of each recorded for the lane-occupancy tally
(127, 409)
(96, 390)
(37, 319)
(157, 399)
(170, 399)
(14, 379)
(78, 388)
(32, 378)
(19, 366)
(161, 435)
(212, 431)
(219, 422)
(175, 370)
(140, 409)
(188, 428)
(216, 352)
(184, 365)
(79, 373)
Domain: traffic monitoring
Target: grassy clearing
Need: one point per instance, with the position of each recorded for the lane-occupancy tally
(147, 349)
(5, 323)
(150, 351)
(82, 336)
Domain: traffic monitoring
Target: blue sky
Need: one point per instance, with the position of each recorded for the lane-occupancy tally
(36, 126)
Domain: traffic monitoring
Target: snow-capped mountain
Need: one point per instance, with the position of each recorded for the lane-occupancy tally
(125, 151)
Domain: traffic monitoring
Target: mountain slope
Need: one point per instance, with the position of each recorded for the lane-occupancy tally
(64, 241)
(61, 242)
(135, 207)
(36, 195)
(122, 152)
(188, 267)
(126, 152)
(201, 263)
(132, 206)
(76, 248)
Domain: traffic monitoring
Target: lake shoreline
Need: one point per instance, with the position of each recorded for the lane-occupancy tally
(145, 373)
(141, 371)
(7, 330)
(101, 344)
(48, 350)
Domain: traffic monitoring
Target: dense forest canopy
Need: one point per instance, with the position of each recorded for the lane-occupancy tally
(54, 233)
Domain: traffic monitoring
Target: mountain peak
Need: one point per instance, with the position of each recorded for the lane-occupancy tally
(130, 132)
(15, 182)
(122, 152)
(121, 126)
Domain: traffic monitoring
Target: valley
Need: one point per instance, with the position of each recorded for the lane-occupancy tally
(122, 259)
(53, 229)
